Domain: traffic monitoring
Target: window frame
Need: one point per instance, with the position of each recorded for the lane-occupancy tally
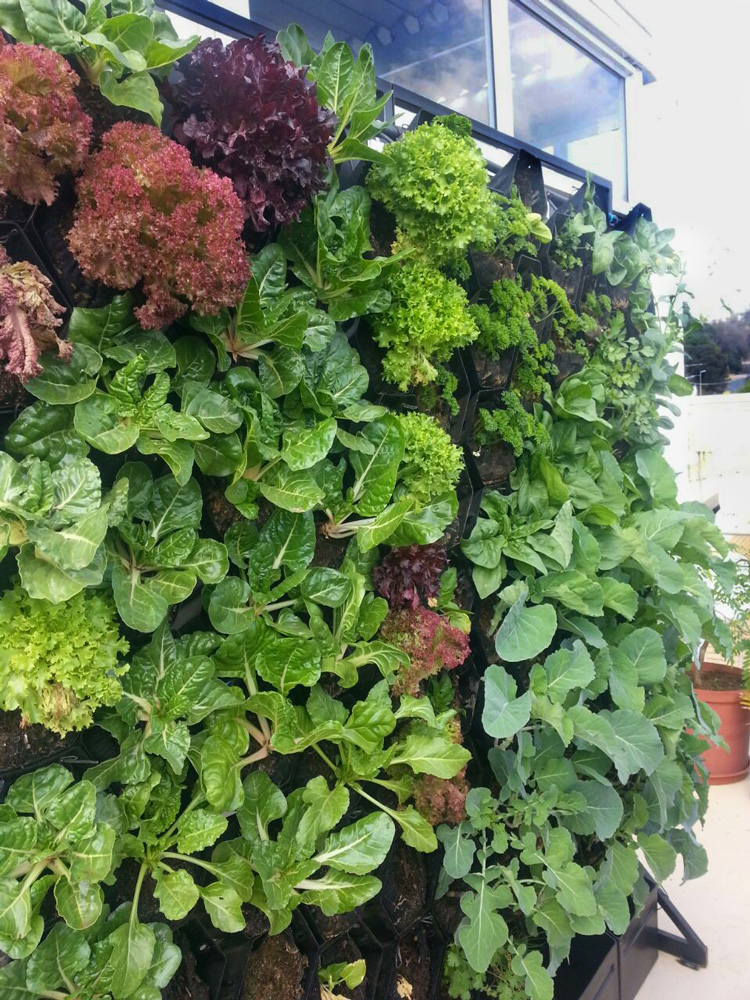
(575, 32)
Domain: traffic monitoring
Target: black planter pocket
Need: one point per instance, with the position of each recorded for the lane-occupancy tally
(489, 466)
(591, 972)
(201, 972)
(357, 944)
(525, 172)
(417, 968)
(638, 948)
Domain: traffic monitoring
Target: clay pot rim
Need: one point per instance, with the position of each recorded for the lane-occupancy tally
(709, 694)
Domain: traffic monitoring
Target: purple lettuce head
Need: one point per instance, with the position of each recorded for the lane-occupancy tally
(252, 116)
(410, 576)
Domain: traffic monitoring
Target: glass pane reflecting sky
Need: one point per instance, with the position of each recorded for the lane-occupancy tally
(437, 48)
(566, 102)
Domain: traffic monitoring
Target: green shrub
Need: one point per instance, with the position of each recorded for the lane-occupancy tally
(59, 662)
(513, 425)
(427, 321)
(434, 180)
(431, 463)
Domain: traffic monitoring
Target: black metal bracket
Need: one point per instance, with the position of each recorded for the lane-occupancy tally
(686, 946)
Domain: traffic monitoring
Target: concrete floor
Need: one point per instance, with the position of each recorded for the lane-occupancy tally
(717, 906)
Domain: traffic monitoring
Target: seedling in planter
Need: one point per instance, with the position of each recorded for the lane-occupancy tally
(178, 227)
(284, 446)
(380, 491)
(277, 166)
(45, 131)
(120, 54)
(434, 180)
(52, 840)
(326, 249)
(427, 320)
(348, 974)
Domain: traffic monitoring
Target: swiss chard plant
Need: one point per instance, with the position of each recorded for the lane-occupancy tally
(156, 555)
(327, 247)
(345, 85)
(57, 517)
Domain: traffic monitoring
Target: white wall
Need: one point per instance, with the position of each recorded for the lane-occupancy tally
(710, 448)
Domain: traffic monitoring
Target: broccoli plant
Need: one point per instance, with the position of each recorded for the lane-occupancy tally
(59, 662)
(178, 228)
(29, 318)
(43, 131)
(277, 164)
(427, 320)
(119, 48)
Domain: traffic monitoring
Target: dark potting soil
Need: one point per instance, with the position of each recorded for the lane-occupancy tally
(22, 746)
(489, 268)
(279, 768)
(223, 514)
(405, 887)
(123, 890)
(331, 927)
(276, 971)
(53, 225)
(345, 950)
(412, 979)
(494, 464)
(256, 922)
(104, 114)
(382, 229)
(492, 373)
(448, 913)
(718, 680)
(568, 363)
(186, 984)
(12, 392)
(482, 631)
(329, 551)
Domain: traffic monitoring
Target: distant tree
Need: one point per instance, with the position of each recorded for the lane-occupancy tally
(703, 354)
(733, 337)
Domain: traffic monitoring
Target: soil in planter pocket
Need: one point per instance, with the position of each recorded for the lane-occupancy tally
(12, 392)
(186, 984)
(23, 746)
(493, 373)
(276, 971)
(404, 894)
(345, 950)
(412, 979)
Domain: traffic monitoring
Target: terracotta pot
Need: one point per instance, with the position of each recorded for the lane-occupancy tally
(723, 767)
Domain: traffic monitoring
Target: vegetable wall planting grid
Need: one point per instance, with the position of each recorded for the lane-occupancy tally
(348, 606)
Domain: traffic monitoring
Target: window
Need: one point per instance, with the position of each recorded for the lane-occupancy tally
(565, 101)
(440, 49)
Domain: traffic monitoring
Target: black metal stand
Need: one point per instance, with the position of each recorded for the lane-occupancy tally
(686, 945)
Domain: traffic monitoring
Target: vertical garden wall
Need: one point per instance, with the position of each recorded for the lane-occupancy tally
(348, 609)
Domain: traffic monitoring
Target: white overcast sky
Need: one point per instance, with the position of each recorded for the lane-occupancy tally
(694, 158)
